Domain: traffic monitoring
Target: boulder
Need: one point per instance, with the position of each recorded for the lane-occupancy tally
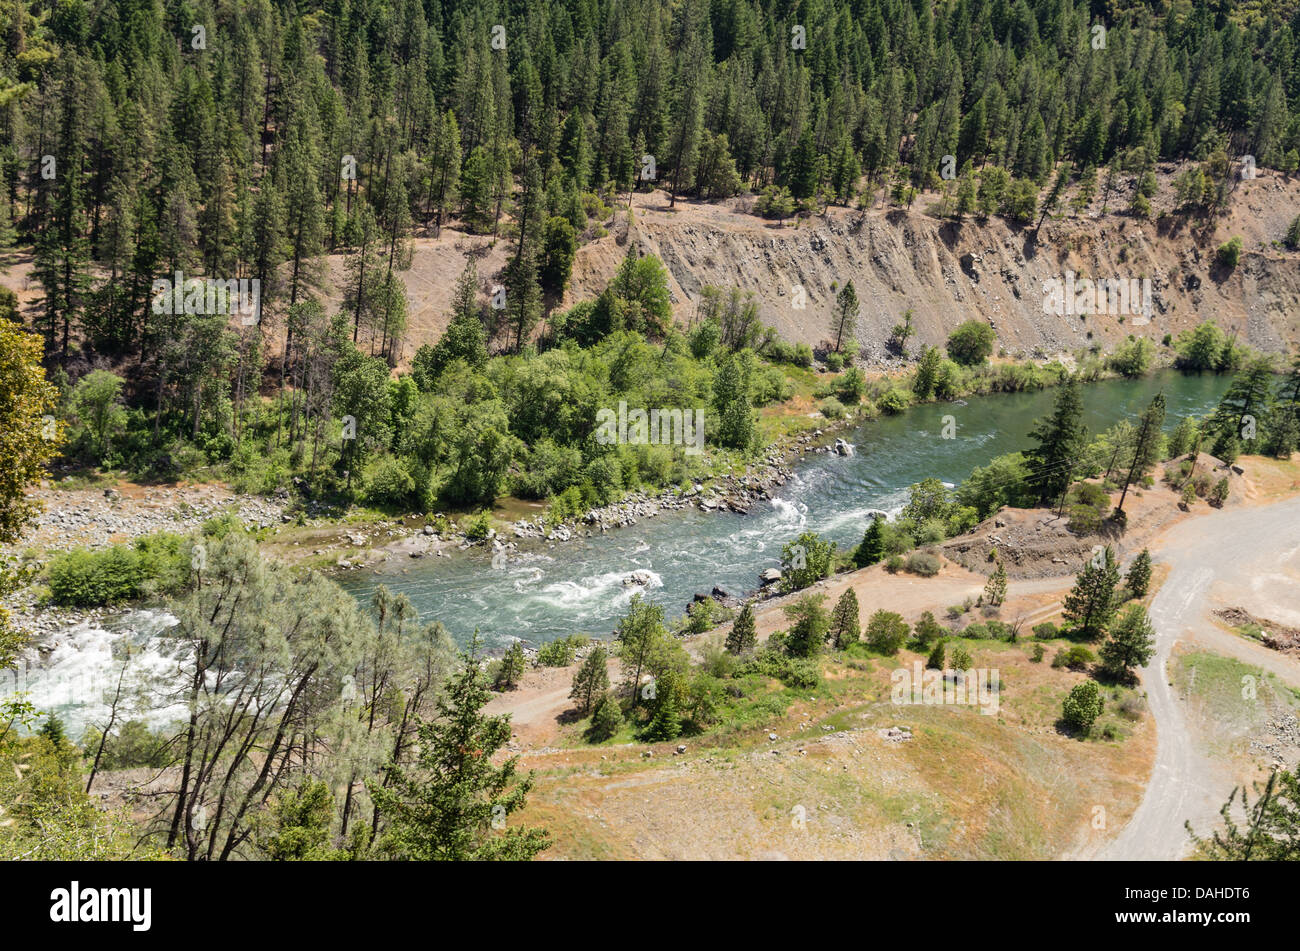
(770, 575)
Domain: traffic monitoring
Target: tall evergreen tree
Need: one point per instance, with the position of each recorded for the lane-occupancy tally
(448, 806)
(1092, 601)
(1060, 439)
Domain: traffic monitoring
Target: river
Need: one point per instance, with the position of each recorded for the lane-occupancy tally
(577, 586)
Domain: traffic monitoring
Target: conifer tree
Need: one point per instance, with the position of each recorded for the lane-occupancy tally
(592, 679)
(1060, 439)
(741, 637)
(995, 592)
(1091, 603)
(872, 547)
(845, 625)
(606, 718)
(1130, 644)
(1138, 579)
(666, 719)
(937, 658)
(845, 316)
(448, 805)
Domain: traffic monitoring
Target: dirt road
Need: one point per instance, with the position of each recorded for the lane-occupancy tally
(1250, 556)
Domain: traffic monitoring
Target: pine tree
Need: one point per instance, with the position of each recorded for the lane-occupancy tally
(936, 660)
(666, 720)
(512, 667)
(845, 626)
(606, 718)
(449, 804)
(1146, 446)
(1130, 645)
(926, 631)
(995, 592)
(741, 637)
(1061, 438)
(1243, 412)
(476, 191)
(845, 317)
(809, 625)
(1091, 603)
(1138, 579)
(872, 547)
(592, 679)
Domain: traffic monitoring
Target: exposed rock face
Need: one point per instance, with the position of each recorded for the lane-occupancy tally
(947, 272)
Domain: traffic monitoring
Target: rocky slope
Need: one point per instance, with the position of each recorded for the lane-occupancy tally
(946, 272)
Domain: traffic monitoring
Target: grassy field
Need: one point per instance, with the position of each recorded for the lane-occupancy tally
(966, 785)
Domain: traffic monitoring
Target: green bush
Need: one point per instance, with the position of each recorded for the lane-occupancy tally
(971, 343)
(1229, 253)
(1046, 631)
(831, 408)
(1082, 707)
(133, 745)
(1077, 657)
(560, 653)
(894, 401)
(797, 673)
(923, 563)
(387, 484)
(154, 564)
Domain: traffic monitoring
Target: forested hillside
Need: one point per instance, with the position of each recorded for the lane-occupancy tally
(150, 142)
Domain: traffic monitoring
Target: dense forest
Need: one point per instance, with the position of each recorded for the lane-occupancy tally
(159, 142)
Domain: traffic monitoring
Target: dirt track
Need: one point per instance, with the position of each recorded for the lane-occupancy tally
(1250, 557)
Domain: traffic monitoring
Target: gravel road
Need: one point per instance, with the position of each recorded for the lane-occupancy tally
(1251, 557)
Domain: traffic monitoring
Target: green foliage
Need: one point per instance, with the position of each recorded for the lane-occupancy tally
(1082, 707)
(805, 561)
(1046, 631)
(741, 638)
(1270, 831)
(1205, 347)
(845, 626)
(872, 547)
(152, 565)
(1003, 482)
(1133, 357)
(448, 805)
(809, 625)
(1076, 657)
(592, 679)
(1092, 601)
(937, 659)
(1138, 579)
(926, 632)
(606, 718)
(995, 592)
(132, 745)
(971, 343)
(1061, 438)
(48, 815)
(886, 632)
(1229, 253)
(511, 669)
(560, 652)
(961, 658)
(1131, 643)
(300, 825)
